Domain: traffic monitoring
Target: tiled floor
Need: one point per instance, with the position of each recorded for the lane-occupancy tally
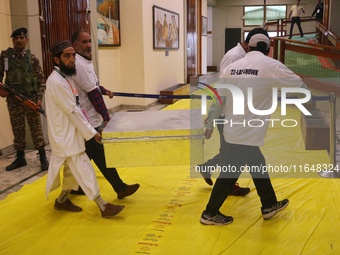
(12, 181)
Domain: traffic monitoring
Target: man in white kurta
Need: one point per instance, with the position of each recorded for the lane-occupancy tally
(68, 129)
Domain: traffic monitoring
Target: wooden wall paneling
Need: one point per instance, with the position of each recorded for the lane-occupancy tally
(60, 19)
(191, 49)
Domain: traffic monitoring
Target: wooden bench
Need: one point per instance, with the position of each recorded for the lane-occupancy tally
(315, 131)
(179, 89)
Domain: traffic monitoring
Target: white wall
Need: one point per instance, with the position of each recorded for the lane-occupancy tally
(209, 38)
(162, 71)
(334, 18)
(6, 136)
(204, 46)
(135, 67)
(34, 25)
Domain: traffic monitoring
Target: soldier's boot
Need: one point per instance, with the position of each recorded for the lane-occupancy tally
(43, 160)
(18, 162)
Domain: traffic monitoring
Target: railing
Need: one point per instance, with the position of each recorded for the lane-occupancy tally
(281, 25)
(325, 36)
(312, 61)
(305, 58)
(333, 171)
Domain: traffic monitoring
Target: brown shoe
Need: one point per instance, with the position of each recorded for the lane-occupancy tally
(67, 206)
(111, 210)
(130, 189)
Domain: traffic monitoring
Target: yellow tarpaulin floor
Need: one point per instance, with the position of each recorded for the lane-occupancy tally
(163, 216)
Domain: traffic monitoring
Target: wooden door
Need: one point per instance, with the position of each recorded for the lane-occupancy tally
(60, 18)
(191, 39)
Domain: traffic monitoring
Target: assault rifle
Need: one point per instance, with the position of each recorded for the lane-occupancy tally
(24, 100)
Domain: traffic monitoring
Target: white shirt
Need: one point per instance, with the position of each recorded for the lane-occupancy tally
(67, 126)
(296, 10)
(86, 80)
(268, 73)
(231, 56)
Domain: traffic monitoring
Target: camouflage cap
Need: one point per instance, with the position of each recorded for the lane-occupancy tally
(19, 31)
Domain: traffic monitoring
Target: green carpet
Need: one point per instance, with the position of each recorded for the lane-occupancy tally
(312, 66)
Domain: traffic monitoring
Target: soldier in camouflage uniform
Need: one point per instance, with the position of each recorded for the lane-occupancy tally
(24, 75)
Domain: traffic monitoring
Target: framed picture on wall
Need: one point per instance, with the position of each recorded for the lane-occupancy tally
(165, 29)
(204, 26)
(108, 23)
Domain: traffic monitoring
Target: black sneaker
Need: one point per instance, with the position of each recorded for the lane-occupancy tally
(219, 219)
(206, 177)
(269, 212)
(239, 191)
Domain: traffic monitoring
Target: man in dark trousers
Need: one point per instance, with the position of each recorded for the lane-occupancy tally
(258, 73)
(234, 54)
(94, 108)
(295, 12)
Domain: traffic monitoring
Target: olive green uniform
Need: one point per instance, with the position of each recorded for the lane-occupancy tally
(23, 74)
